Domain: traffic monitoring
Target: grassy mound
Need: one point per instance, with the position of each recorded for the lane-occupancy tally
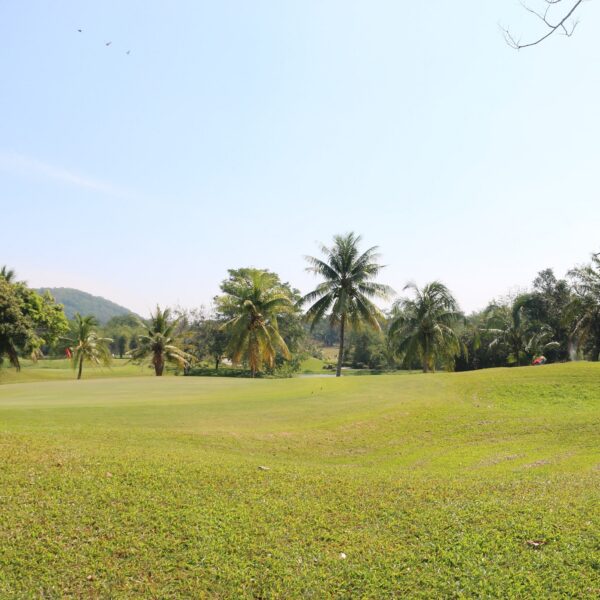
(480, 484)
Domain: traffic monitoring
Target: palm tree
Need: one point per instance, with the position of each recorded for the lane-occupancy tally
(8, 274)
(253, 300)
(584, 309)
(157, 343)
(424, 327)
(540, 342)
(509, 326)
(87, 345)
(346, 293)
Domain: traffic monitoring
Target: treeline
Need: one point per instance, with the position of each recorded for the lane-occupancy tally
(261, 325)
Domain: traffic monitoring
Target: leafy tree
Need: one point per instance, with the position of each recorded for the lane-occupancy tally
(128, 321)
(424, 327)
(348, 288)
(30, 322)
(16, 328)
(186, 333)
(86, 345)
(252, 302)
(48, 318)
(122, 329)
(213, 340)
(323, 332)
(201, 334)
(157, 343)
(369, 348)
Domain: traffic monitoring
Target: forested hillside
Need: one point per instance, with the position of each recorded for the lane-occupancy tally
(86, 304)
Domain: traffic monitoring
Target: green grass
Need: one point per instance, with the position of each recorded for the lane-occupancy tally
(430, 485)
(312, 365)
(62, 369)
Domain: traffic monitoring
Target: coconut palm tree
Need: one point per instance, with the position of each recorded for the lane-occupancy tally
(157, 343)
(348, 288)
(87, 345)
(252, 302)
(509, 326)
(540, 342)
(424, 327)
(584, 309)
(7, 274)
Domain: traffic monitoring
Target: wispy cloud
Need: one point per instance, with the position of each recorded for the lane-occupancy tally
(30, 167)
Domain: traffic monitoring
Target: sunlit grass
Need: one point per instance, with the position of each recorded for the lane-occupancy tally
(62, 369)
(482, 484)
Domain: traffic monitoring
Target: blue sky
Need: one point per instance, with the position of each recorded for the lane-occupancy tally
(242, 133)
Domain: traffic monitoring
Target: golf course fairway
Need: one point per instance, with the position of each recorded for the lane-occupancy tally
(482, 484)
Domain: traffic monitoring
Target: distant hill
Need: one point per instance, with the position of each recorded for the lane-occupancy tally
(86, 304)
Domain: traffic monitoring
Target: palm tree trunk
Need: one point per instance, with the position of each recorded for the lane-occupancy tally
(338, 371)
(426, 361)
(80, 367)
(159, 365)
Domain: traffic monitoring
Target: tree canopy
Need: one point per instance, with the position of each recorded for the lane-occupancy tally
(28, 321)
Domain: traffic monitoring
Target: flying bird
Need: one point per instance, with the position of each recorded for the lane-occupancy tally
(80, 30)
(128, 52)
(108, 43)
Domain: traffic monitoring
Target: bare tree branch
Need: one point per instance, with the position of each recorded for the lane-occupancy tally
(564, 26)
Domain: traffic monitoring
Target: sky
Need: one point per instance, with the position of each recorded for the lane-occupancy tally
(242, 133)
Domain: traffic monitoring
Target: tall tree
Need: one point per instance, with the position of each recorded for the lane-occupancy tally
(507, 324)
(49, 320)
(157, 343)
(212, 340)
(546, 308)
(86, 345)
(252, 302)
(348, 288)
(28, 321)
(424, 327)
(16, 328)
(585, 306)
